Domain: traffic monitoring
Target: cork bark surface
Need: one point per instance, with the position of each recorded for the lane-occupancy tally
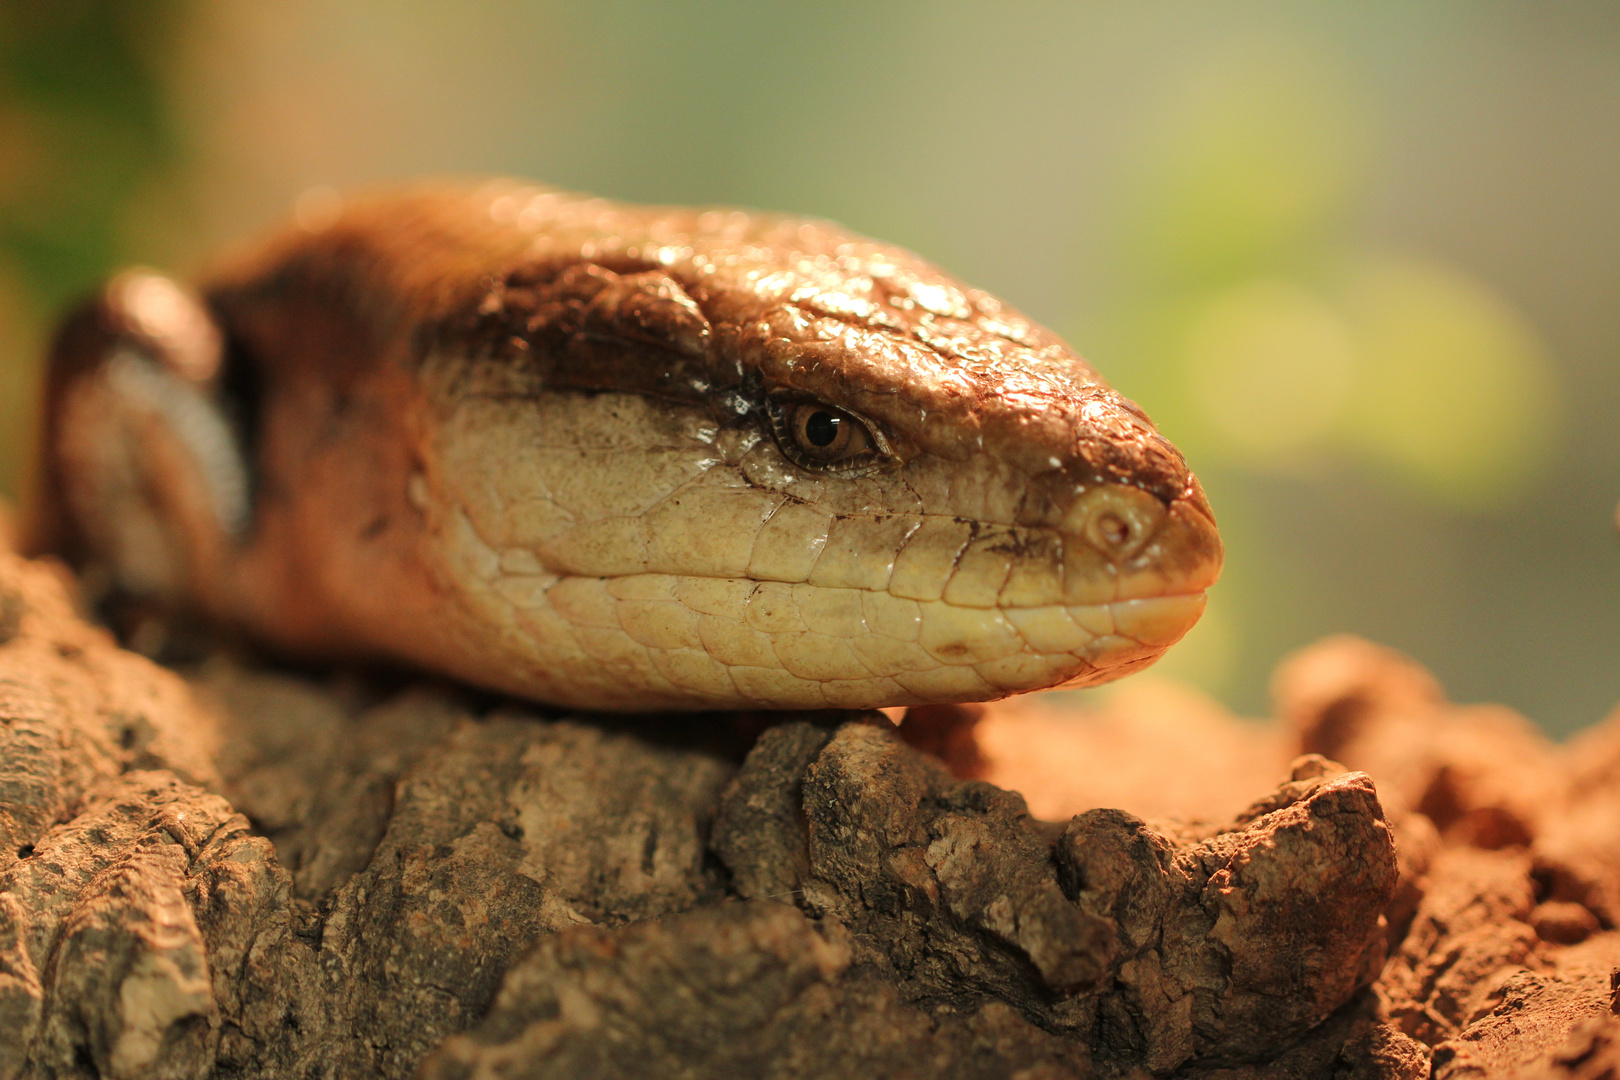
(235, 871)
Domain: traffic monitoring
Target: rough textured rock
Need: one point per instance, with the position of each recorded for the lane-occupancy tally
(1106, 930)
(260, 874)
(734, 990)
(76, 711)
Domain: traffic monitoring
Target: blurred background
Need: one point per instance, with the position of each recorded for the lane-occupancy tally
(1361, 261)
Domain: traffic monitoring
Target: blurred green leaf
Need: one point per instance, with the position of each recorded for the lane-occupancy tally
(83, 125)
(1459, 396)
(1258, 156)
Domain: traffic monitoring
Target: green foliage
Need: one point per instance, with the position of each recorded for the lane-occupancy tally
(86, 125)
(83, 126)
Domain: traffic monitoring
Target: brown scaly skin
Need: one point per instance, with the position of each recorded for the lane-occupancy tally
(546, 443)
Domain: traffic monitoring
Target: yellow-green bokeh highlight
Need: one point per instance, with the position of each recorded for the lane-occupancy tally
(1269, 367)
(1457, 393)
(1258, 150)
(1263, 331)
(1261, 328)
(1421, 369)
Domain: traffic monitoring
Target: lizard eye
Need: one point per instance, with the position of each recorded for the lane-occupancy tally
(827, 434)
(825, 437)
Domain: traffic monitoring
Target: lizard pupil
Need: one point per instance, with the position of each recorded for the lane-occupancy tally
(821, 428)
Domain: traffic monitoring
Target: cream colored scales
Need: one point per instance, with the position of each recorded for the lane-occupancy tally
(623, 458)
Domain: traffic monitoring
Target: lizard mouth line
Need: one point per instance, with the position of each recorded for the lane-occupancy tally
(833, 637)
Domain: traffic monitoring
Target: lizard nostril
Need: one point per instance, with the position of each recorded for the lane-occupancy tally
(1115, 519)
(1110, 530)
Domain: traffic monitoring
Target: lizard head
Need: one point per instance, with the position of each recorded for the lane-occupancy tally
(773, 464)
